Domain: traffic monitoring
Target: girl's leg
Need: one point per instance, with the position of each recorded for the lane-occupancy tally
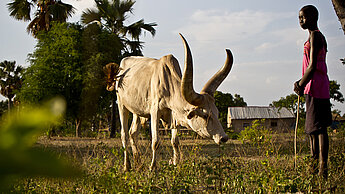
(314, 151)
(324, 147)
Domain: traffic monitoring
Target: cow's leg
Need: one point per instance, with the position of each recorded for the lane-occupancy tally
(123, 112)
(175, 145)
(155, 138)
(133, 134)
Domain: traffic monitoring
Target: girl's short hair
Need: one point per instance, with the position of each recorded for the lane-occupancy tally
(311, 11)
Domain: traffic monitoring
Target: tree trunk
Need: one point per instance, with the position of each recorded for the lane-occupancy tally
(9, 105)
(77, 129)
(339, 7)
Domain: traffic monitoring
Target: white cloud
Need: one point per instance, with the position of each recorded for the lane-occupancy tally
(271, 80)
(265, 46)
(222, 25)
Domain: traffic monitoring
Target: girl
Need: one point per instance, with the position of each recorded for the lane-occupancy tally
(315, 85)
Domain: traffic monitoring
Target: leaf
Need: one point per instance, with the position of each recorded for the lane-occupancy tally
(19, 132)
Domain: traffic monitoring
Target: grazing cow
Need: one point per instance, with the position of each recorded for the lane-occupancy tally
(156, 89)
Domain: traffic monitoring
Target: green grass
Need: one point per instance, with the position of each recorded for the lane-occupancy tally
(236, 167)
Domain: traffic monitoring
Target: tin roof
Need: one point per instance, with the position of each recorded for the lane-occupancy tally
(257, 112)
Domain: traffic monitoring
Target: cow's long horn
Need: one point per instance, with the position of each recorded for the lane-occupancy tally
(187, 78)
(212, 84)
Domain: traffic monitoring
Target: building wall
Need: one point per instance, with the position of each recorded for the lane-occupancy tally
(280, 125)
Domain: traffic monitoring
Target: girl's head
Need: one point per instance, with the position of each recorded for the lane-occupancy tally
(308, 17)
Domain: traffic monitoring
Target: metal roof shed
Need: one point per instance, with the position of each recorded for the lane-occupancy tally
(241, 117)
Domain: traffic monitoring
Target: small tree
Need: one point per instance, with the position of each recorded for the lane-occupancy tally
(334, 90)
(10, 80)
(56, 69)
(225, 100)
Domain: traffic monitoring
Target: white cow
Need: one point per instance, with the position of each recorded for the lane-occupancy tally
(156, 89)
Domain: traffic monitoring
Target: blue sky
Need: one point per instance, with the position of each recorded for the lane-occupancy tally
(264, 36)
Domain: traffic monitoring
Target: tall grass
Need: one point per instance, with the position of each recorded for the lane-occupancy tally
(265, 166)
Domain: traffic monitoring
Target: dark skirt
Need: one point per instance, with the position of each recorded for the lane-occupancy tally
(318, 115)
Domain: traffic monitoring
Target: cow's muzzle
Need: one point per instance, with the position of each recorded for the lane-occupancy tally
(219, 139)
(224, 139)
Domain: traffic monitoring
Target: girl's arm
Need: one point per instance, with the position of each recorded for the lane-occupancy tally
(315, 47)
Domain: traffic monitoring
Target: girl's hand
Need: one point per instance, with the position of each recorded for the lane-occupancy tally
(298, 89)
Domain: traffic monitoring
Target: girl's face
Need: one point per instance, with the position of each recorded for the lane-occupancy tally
(303, 21)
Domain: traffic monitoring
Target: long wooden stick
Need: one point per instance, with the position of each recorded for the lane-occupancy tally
(295, 141)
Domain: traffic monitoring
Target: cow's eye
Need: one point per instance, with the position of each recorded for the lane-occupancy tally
(204, 116)
(191, 114)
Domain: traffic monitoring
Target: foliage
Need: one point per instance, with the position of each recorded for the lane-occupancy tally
(106, 39)
(256, 133)
(112, 16)
(230, 168)
(100, 47)
(47, 11)
(10, 79)
(334, 90)
(56, 68)
(341, 131)
(225, 100)
(3, 107)
(18, 134)
(290, 102)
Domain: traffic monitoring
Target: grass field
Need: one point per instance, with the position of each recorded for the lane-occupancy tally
(236, 167)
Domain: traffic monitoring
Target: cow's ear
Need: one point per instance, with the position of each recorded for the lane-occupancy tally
(191, 114)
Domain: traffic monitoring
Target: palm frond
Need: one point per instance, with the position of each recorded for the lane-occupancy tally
(32, 27)
(20, 9)
(90, 15)
(61, 11)
(125, 6)
(135, 29)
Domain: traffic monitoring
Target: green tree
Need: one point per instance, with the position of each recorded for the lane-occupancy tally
(10, 80)
(47, 11)
(334, 90)
(56, 69)
(112, 15)
(100, 47)
(291, 102)
(225, 100)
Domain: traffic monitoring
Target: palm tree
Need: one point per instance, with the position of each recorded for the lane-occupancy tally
(10, 80)
(111, 14)
(46, 12)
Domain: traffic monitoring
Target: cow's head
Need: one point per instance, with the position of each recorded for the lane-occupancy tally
(203, 118)
(111, 70)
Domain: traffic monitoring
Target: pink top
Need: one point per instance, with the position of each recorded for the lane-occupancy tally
(318, 86)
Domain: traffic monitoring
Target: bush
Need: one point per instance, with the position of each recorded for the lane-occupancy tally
(256, 133)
